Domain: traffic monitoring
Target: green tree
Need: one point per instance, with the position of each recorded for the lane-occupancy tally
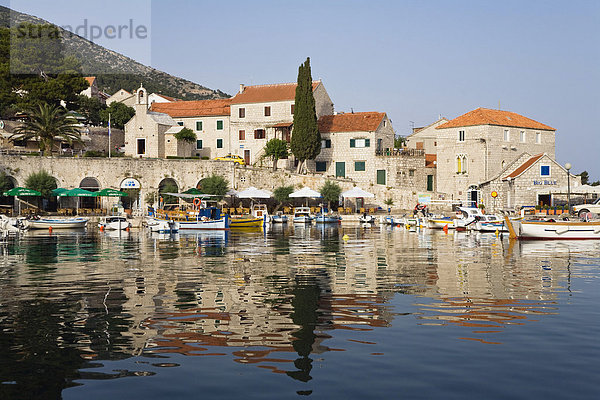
(215, 185)
(90, 108)
(41, 181)
(585, 177)
(331, 192)
(399, 142)
(276, 149)
(119, 113)
(306, 139)
(282, 194)
(186, 135)
(46, 123)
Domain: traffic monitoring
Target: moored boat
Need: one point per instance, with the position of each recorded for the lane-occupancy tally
(302, 215)
(490, 223)
(114, 223)
(203, 219)
(279, 218)
(56, 223)
(552, 229)
(366, 219)
(440, 222)
(328, 219)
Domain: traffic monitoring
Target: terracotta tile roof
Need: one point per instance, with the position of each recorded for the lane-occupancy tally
(267, 93)
(90, 79)
(197, 108)
(523, 167)
(350, 122)
(430, 160)
(486, 116)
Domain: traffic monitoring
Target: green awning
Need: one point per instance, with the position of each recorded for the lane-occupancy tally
(193, 191)
(59, 191)
(108, 192)
(21, 191)
(78, 192)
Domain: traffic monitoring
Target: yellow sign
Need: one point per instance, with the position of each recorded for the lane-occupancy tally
(494, 194)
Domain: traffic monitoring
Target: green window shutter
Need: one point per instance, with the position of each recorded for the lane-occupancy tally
(198, 125)
(219, 125)
(199, 144)
(352, 143)
(321, 166)
(367, 142)
(180, 123)
(359, 166)
(328, 143)
(381, 176)
(219, 143)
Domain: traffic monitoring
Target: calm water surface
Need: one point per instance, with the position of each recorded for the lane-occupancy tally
(298, 311)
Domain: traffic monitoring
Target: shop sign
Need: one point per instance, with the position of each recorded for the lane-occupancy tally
(130, 183)
(544, 182)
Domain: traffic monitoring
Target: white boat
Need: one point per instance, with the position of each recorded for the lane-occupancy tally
(162, 226)
(440, 222)
(366, 219)
(466, 217)
(552, 229)
(279, 218)
(388, 220)
(209, 218)
(56, 223)
(490, 223)
(328, 219)
(302, 215)
(114, 223)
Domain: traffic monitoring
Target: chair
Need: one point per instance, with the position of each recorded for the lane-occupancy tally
(317, 210)
(348, 210)
(286, 210)
(340, 210)
(362, 210)
(240, 210)
(371, 211)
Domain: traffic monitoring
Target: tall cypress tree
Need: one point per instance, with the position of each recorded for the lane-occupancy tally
(306, 139)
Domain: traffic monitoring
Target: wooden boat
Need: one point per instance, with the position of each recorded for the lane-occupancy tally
(279, 218)
(56, 223)
(388, 220)
(246, 222)
(440, 222)
(203, 219)
(328, 219)
(114, 223)
(490, 223)
(162, 226)
(302, 215)
(551, 229)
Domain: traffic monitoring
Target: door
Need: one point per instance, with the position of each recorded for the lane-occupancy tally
(247, 157)
(430, 183)
(141, 146)
(340, 169)
(473, 196)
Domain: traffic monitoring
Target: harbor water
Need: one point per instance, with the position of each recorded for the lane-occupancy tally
(347, 312)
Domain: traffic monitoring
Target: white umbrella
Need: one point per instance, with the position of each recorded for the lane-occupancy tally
(306, 192)
(357, 192)
(253, 193)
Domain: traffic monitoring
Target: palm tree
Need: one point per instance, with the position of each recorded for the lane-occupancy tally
(47, 123)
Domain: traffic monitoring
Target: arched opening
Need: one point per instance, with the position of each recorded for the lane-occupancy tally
(132, 201)
(168, 185)
(7, 182)
(92, 185)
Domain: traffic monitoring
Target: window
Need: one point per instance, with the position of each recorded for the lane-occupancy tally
(381, 176)
(360, 143)
(219, 143)
(430, 183)
(321, 166)
(359, 166)
(220, 125)
(259, 134)
(325, 143)
(411, 172)
(544, 170)
(242, 135)
(180, 123)
(506, 135)
(292, 109)
(461, 164)
(198, 125)
(522, 136)
(199, 144)
(538, 137)
(242, 112)
(141, 146)
(267, 111)
(461, 136)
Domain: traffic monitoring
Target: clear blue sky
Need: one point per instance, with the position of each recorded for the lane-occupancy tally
(413, 60)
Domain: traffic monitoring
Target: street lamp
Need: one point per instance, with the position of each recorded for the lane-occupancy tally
(568, 167)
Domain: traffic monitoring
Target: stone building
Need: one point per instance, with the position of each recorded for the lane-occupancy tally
(425, 138)
(525, 182)
(151, 134)
(263, 112)
(350, 144)
(121, 96)
(92, 90)
(477, 146)
(209, 119)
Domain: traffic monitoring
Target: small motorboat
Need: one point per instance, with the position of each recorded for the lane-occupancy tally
(440, 222)
(302, 215)
(552, 229)
(366, 219)
(490, 223)
(56, 223)
(114, 222)
(162, 226)
(328, 219)
(279, 218)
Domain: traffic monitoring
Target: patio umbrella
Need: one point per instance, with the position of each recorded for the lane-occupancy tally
(108, 192)
(78, 192)
(21, 191)
(253, 193)
(356, 192)
(307, 193)
(193, 191)
(58, 191)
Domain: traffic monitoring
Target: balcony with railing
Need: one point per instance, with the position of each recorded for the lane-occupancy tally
(400, 152)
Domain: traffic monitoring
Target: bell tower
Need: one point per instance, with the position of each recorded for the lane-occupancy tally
(141, 101)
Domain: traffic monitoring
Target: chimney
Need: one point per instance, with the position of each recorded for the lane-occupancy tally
(241, 88)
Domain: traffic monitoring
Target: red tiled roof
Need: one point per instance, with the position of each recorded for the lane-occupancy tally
(430, 160)
(267, 93)
(90, 79)
(486, 116)
(524, 166)
(282, 125)
(197, 108)
(351, 122)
